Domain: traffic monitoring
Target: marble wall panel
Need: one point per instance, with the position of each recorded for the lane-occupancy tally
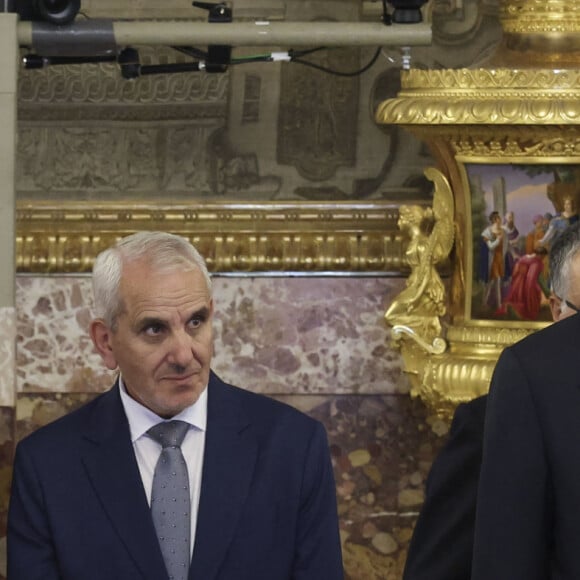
(54, 352)
(7, 354)
(382, 449)
(306, 335)
(7, 421)
(272, 335)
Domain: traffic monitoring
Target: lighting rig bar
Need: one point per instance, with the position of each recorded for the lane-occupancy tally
(102, 40)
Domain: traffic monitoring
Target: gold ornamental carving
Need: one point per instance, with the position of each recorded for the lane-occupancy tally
(525, 16)
(484, 142)
(415, 314)
(485, 97)
(417, 310)
(520, 114)
(305, 237)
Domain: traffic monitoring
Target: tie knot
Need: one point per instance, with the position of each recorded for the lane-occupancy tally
(169, 433)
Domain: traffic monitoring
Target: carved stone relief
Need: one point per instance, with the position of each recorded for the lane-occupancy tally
(316, 127)
(268, 131)
(112, 162)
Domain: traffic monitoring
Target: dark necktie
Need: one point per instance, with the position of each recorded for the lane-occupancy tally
(170, 498)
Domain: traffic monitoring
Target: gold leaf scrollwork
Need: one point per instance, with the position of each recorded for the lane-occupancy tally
(415, 314)
(438, 346)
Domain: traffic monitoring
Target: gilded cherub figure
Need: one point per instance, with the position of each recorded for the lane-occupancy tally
(417, 309)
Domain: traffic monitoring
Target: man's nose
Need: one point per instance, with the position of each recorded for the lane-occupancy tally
(181, 350)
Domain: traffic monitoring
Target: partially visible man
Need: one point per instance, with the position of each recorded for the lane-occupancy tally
(442, 543)
(528, 504)
(257, 486)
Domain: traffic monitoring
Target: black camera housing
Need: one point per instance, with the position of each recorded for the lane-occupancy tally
(52, 11)
(407, 11)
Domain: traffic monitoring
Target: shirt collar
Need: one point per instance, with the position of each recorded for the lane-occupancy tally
(141, 419)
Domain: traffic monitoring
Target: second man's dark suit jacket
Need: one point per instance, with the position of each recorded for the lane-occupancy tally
(528, 504)
(267, 511)
(442, 543)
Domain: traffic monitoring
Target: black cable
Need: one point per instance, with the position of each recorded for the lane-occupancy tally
(294, 56)
(301, 53)
(340, 73)
(191, 51)
(248, 59)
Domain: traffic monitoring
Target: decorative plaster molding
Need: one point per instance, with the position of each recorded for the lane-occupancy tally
(91, 92)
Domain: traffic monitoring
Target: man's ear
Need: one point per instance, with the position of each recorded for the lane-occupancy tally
(101, 336)
(555, 307)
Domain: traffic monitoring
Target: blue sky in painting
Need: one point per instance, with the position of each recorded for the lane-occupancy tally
(526, 196)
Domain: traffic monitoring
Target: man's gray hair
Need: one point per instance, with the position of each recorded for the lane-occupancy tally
(161, 251)
(562, 253)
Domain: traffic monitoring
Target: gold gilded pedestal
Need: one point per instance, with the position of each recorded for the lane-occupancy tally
(520, 115)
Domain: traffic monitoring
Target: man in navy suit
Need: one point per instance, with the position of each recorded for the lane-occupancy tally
(442, 543)
(528, 501)
(263, 504)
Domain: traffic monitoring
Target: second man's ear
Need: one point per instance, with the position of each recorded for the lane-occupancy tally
(555, 307)
(101, 336)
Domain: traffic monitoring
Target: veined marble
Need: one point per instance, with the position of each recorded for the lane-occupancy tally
(7, 354)
(7, 438)
(54, 352)
(306, 335)
(312, 335)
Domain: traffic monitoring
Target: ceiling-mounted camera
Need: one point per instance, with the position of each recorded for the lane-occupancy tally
(407, 11)
(52, 11)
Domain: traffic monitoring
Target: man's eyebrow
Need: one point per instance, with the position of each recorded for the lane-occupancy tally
(150, 321)
(202, 312)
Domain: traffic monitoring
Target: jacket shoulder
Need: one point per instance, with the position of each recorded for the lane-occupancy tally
(256, 406)
(60, 429)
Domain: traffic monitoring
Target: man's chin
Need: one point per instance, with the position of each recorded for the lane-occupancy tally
(176, 407)
(185, 395)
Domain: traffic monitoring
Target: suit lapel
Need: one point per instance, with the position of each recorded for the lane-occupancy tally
(112, 469)
(229, 459)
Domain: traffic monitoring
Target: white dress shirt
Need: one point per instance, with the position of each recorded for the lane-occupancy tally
(147, 451)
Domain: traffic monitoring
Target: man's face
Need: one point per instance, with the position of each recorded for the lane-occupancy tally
(162, 343)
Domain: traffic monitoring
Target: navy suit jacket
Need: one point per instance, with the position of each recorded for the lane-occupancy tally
(78, 510)
(442, 543)
(528, 505)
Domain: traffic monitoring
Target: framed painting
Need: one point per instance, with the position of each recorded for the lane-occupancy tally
(517, 212)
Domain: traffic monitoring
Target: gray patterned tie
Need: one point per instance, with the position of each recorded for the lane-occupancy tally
(170, 499)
